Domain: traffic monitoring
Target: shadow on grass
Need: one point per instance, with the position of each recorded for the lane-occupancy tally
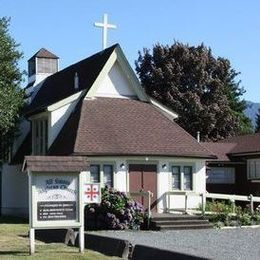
(13, 220)
(16, 253)
(51, 235)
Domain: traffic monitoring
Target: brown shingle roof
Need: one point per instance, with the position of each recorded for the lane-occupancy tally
(237, 145)
(43, 53)
(221, 150)
(61, 84)
(55, 163)
(245, 143)
(111, 126)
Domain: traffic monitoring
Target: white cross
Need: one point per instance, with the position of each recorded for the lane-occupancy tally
(105, 26)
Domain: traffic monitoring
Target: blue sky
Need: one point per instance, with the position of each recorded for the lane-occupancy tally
(230, 27)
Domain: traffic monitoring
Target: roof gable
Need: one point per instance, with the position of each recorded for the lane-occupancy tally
(115, 84)
(124, 73)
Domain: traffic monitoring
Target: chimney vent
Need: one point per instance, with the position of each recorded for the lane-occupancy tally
(198, 136)
(76, 81)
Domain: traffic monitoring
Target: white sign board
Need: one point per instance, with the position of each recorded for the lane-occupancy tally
(57, 197)
(55, 200)
(91, 193)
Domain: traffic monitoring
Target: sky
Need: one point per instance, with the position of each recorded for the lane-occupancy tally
(65, 27)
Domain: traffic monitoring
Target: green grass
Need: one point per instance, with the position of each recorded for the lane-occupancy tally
(14, 243)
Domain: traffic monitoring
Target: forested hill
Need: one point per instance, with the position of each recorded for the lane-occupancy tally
(251, 110)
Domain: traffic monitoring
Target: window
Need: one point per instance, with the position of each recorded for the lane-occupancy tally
(176, 178)
(102, 173)
(218, 175)
(40, 136)
(253, 169)
(94, 173)
(187, 180)
(182, 177)
(108, 175)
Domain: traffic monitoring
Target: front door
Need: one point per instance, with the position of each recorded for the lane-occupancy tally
(144, 177)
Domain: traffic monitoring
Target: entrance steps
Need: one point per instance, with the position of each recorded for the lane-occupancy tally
(167, 221)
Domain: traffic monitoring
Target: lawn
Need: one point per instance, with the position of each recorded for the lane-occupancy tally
(14, 243)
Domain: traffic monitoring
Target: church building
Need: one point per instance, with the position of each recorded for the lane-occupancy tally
(97, 109)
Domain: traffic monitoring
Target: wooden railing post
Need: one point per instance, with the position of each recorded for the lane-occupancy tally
(233, 205)
(251, 197)
(169, 201)
(203, 203)
(150, 194)
(186, 203)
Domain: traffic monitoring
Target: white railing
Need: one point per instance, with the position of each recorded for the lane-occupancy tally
(148, 194)
(204, 196)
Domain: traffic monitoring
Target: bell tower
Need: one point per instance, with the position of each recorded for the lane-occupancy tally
(41, 65)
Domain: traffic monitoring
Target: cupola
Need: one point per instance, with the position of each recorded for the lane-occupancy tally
(41, 65)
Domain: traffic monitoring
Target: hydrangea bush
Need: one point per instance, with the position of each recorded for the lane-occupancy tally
(116, 211)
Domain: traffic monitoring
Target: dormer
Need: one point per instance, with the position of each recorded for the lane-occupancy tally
(41, 65)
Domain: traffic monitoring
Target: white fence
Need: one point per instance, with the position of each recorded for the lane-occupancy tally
(204, 196)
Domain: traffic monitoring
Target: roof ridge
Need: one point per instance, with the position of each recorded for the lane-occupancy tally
(81, 61)
(60, 84)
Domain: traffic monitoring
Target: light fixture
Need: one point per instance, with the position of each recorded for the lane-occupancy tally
(164, 166)
(122, 166)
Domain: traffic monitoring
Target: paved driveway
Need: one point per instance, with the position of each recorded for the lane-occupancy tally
(241, 243)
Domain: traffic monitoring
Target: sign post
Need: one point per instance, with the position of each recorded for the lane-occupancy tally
(56, 203)
(55, 195)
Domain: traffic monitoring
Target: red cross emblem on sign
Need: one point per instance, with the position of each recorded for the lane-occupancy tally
(92, 193)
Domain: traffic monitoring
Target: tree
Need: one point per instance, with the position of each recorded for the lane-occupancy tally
(202, 89)
(11, 95)
(257, 122)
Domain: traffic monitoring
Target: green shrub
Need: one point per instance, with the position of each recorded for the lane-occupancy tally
(226, 214)
(245, 219)
(219, 207)
(256, 216)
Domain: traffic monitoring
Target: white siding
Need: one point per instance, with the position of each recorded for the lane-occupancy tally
(58, 118)
(14, 191)
(121, 178)
(115, 84)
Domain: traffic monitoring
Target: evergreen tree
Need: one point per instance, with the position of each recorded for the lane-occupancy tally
(11, 96)
(257, 122)
(202, 89)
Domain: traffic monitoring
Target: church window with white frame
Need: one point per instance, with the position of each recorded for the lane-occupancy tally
(182, 177)
(40, 136)
(102, 173)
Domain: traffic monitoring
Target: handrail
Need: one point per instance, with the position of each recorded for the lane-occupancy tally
(148, 194)
(232, 197)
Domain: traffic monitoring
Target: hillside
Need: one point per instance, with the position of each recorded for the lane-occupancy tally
(252, 110)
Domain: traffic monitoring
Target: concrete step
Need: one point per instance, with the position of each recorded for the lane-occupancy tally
(179, 222)
(183, 227)
(177, 217)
